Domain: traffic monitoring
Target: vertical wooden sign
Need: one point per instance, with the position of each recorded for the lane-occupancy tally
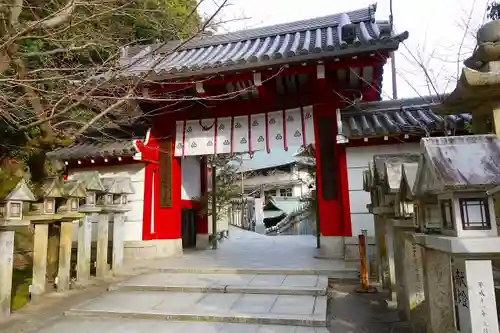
(165, 180)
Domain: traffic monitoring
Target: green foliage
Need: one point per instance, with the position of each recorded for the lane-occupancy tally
(226, 188)
(44, 64)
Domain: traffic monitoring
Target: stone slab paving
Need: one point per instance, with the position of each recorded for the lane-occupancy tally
(299, 310)
(91, 325)
(228, 283)
(246, 252)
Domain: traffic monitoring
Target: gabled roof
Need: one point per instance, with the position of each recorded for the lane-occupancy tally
(413, 116)
(118, 185)
(21, 192)
(126, 185)
(387, 168)
(91, 180)
(408, 177)
(312, 39)
(458, 163)
(51, 188)
(74, 189)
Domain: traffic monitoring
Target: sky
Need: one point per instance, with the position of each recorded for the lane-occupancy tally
(442, 35)
(441, 31)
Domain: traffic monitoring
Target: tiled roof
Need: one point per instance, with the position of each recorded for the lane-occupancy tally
(395, 117)
(313, 39)
(89, 149)
(106, 143)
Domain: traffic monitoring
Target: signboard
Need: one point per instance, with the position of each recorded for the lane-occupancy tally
(475, 303)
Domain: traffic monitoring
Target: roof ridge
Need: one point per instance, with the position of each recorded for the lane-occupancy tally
(364, 14)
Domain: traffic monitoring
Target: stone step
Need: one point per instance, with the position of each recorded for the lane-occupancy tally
(115, 325)
(347, 273)
(313, 285)
(204, 307)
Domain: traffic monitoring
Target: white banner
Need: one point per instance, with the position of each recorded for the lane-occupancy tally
(283, 129)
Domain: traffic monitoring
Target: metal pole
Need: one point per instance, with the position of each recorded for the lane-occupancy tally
(393, 70)
(214, 208)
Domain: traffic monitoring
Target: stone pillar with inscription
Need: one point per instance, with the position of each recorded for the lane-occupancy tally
(412, 303)
(438, 292)
(475, 305)
(6, 266)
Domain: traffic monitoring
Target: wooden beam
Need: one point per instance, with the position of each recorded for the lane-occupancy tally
(372, 59)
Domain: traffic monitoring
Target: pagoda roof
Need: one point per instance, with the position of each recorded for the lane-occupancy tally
(332, 36)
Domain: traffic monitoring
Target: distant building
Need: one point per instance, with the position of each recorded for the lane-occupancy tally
(278, 175)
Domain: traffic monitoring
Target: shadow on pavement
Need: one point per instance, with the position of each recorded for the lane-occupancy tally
(350, 312)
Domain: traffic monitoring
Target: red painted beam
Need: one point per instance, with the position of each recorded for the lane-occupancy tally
(378, 60)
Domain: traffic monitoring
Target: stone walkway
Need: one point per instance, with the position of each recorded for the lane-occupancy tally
(245, 250)
(253, 283)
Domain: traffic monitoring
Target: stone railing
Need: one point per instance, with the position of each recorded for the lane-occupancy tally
(50, 212)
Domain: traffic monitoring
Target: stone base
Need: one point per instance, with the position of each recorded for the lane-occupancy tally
(202, 241)
(152, 249)
(331, 247)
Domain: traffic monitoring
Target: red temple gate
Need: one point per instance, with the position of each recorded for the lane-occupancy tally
(259, 89)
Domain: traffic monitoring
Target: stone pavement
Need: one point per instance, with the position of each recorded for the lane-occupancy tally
(253, 283)
(246, 251)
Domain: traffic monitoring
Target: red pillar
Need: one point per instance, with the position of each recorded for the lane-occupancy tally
(344, 191)
(331, 173)
(167, 220)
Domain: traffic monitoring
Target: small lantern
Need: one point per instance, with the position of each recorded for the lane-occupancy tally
(117, 188)
(453, 170)
(91, 198)
(74, 190)
(93, 186)
(113, 190)
(50, 191)
(12, 204)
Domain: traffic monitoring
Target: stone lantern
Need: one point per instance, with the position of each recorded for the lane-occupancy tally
(14, 202)
(458, 172)
(15, 199)
(95, 190)
(407, 254)
(49, 194)
(113, 210)
(383, 180)
(73, 192)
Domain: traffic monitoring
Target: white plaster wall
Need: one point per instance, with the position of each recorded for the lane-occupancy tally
(191, 178)
(357, 161)
(133, 218)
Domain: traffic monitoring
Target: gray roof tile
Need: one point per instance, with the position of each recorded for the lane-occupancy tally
(329, 36)
(396, 117)
(89, 149)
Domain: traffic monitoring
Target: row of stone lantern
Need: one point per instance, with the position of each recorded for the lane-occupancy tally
(442, 231)
(85, 198)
